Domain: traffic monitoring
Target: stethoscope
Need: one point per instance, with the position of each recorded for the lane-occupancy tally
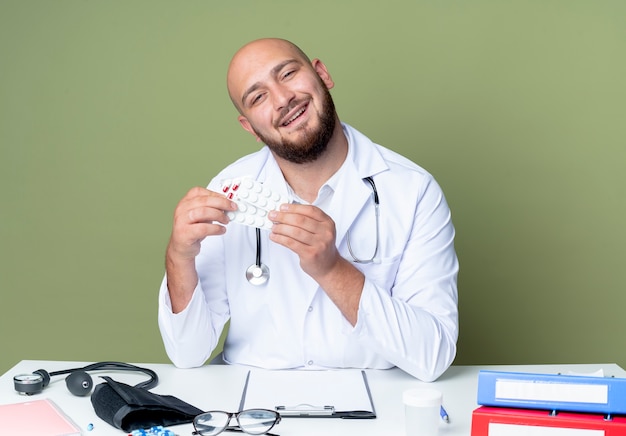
(258, 273)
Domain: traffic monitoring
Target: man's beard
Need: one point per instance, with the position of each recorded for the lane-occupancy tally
(314, 142)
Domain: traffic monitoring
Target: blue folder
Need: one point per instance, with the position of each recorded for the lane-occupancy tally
(553, 392)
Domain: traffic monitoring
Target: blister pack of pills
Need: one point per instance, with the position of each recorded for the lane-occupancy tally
(157, 430)
(254, 199)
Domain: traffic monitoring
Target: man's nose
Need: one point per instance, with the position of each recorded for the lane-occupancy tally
(282, 96)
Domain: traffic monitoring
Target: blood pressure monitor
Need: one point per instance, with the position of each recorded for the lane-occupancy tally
(28, 384)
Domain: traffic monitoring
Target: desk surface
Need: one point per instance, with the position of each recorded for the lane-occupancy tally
(219, 387)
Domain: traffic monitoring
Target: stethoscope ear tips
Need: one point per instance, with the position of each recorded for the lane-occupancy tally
(258, 274)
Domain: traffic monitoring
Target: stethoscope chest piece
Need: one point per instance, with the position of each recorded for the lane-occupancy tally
(258, 274)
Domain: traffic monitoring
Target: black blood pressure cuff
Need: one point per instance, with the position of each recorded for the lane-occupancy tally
(130, 408)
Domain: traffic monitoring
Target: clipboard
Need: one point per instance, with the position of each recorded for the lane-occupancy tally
(343, 393)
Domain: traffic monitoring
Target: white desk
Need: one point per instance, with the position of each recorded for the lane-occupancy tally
(219, 387)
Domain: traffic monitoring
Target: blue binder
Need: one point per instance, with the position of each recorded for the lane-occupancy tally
(554, 392)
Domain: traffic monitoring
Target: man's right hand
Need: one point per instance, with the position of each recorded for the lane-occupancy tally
(199, 214)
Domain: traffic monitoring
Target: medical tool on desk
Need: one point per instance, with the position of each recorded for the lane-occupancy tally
(255, 201)
(119, 404)
(78, 382)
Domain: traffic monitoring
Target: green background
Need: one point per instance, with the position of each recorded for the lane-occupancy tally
(111, 110)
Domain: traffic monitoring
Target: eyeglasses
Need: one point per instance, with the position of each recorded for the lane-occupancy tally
(252, 421)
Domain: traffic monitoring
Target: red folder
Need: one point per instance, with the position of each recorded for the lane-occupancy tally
(501, 421)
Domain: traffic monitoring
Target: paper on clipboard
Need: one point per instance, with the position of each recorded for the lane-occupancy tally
(344, 390)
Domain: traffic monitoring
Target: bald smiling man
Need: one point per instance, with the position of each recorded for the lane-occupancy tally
(362, 259)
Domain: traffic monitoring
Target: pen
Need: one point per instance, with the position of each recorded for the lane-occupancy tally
(444, 414)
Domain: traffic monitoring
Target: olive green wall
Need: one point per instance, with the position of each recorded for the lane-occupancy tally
(111, 110)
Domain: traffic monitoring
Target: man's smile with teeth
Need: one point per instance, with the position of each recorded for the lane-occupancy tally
(296, 115)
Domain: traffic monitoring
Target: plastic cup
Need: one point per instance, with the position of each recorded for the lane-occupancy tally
(422, 408)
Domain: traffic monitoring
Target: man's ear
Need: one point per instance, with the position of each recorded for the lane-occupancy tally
(322, 71)
(247, 127)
